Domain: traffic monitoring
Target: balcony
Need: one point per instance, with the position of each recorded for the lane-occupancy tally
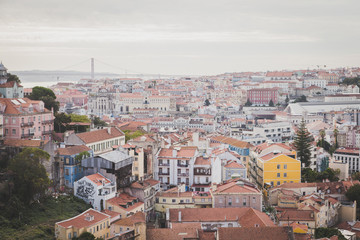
(46, 132)
(28, 124)
(182, 165)
(183, 174)
(47, 122)
(27, 135)
(164, 173)
(164, 164)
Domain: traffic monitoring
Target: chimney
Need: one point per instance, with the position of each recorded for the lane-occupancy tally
(109, 130)
(179, 216)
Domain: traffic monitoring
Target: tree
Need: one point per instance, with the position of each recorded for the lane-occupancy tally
(302, 98)
(336, 132)
(13, 78)
(47, 96)
(271, 103)
(302, 144)
(248, 103)
(207, 102)
(30, 177)
(356, 176)
(353, 193)
(79, 118)
(287, 100)
(308, 175)
(98, 122)
(60, 122)
(130, 135)
(328, 233)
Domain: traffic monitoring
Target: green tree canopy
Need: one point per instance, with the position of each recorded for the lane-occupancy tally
(98, 122)
(302, 98)
(207, 102)
(79, 118)
(248, 103)
(271, 103)
(351, 81)
(328, 232)
(13, 78)
(60, 122)
(30, 177)
(47, 96)
(353, 193)
(302, 143)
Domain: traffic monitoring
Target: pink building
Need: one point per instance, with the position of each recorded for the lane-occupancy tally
(26, 119)
(263, 95)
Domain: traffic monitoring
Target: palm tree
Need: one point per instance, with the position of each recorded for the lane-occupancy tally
(336, 132)
(322, 135)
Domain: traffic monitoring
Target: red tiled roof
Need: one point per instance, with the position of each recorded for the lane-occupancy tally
(252, 233)
(99, 135)
(231, 141)
(98, 179)
(138, 217)
(80, 220)
(73, 150)
(124, 199)
(202, 161)
(234, 165)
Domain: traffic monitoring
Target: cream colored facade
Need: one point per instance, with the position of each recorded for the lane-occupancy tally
(138, 169)
(170, 200)
(124, 212)
(126, 102)
(100, 229)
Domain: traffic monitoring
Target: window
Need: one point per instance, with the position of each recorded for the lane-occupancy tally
(278, 166)
(173, 200)
(164, 200)
(278, 174)
(244, 201)
(220, 200)
(13, 120)
(278, 183)
(254, 199)
(285, 174)
(237, 200)
(230, 201)
(187, 200)
(67, 172)
(285, 166)
(69, 236)
(75, 234)
(13, 131)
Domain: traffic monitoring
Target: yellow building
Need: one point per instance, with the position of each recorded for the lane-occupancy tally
(274, 169)
(124, 204)
(132, 227)
(91, 221)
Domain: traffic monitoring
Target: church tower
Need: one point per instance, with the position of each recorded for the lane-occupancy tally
(3, 74)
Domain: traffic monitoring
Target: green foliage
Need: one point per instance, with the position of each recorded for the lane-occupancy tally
(13, 78)
(352, 81)
(308, 175)
(81, 156)
(302, 98)
(130, 135)
(356, 176)
(271, 103)
(60, 122)
(38, 220)
(302, 143)
(353, 193)
(328, 232)
(47, 96)
(98, 122)
(30, 177)
(85, 236)
(79, 118)
(248, 103)
(207, 102)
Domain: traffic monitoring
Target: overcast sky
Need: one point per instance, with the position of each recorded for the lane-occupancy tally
(179, 37)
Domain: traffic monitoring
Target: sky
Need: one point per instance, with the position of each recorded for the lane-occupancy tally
(190, 37)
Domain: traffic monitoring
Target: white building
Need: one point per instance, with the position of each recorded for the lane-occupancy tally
(275, 131)
(95, 189)
(314, 82)
(175, 166)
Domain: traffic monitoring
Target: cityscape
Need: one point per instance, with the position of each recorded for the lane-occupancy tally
(192, 120)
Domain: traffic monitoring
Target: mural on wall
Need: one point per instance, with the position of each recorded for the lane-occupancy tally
(85, 190)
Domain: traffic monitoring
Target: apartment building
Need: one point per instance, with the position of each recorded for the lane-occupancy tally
(26, 119)
(262, 96)
(175, 166)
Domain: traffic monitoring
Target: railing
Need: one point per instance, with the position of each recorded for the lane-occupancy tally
(182, 165)
(164, 173)
(164, 164)
(47, 122)
(183, 174)
(27, 135)
(47, 132)
(27, 124)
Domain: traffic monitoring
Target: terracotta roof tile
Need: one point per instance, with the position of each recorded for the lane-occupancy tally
(73, 150)
(99, 135)
(252, 233)
(138, 217)
(81, 221)
(98, 179)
